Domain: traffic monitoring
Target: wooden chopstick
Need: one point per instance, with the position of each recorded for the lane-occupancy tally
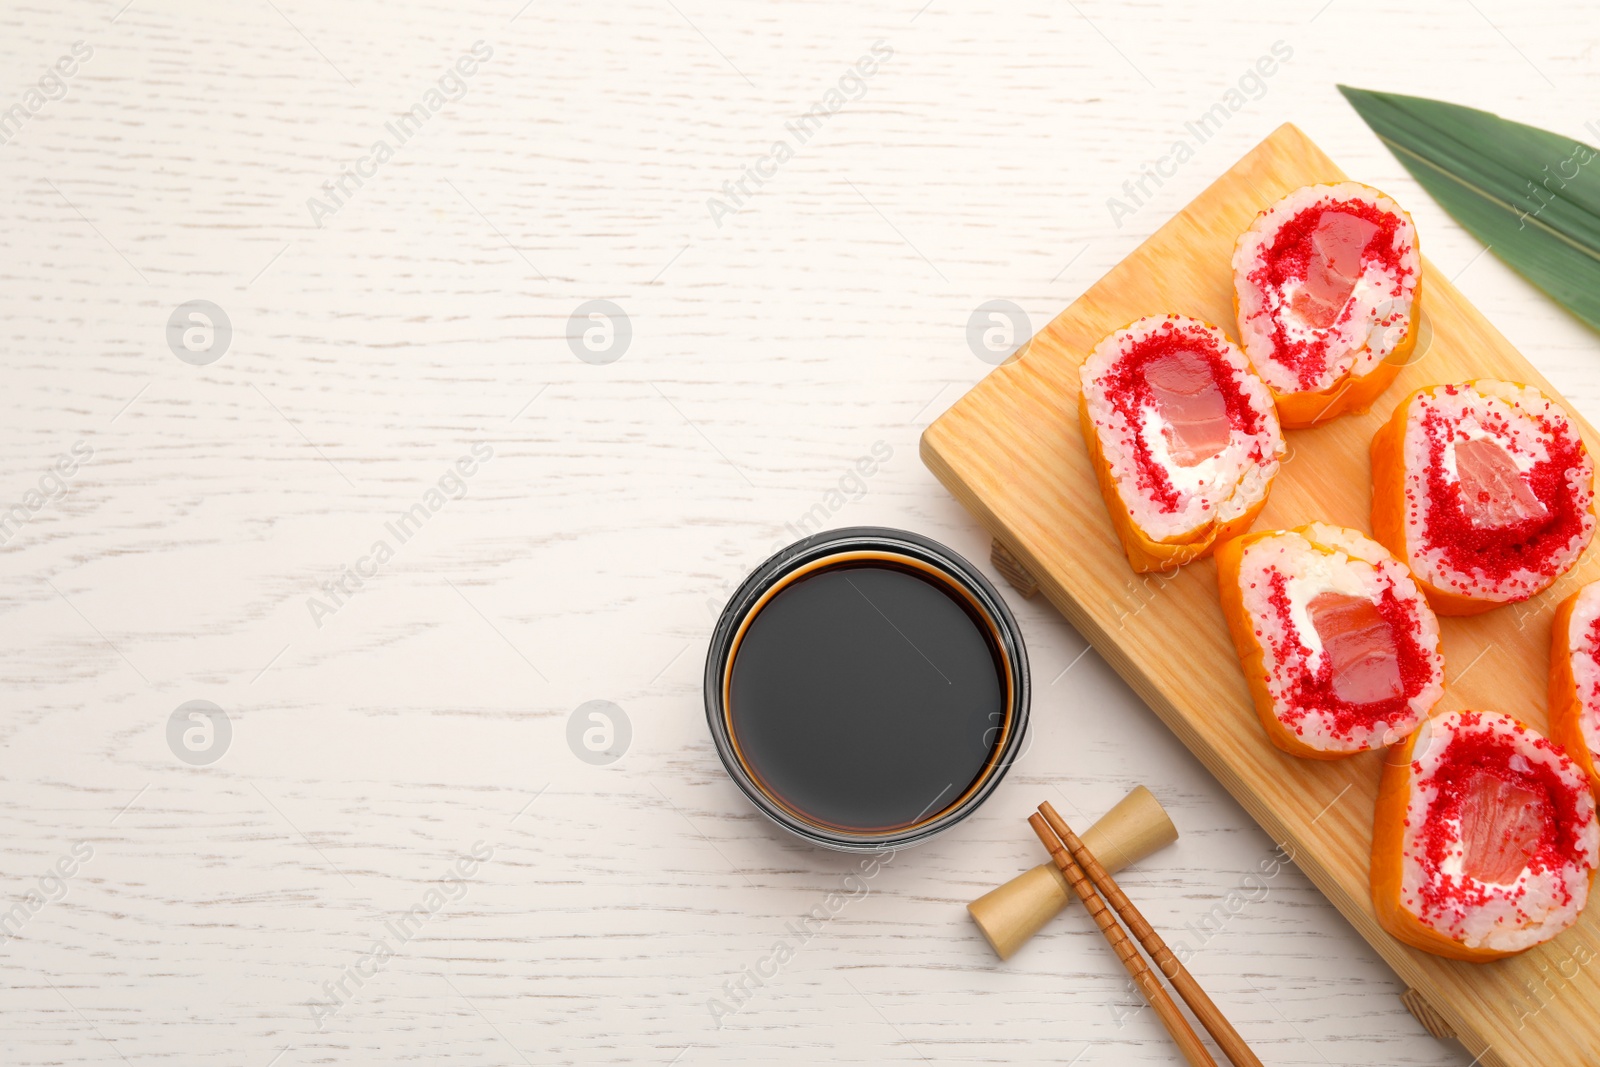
(1155, 994)
(1210, 1016)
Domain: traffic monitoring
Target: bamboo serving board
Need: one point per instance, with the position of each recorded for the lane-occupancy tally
(1011, 451)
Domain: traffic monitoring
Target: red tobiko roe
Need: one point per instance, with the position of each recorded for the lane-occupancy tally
(1593, 652)
(1325, 691)
(1527, 535)
(1509, 819)
(1306, 249)
(1177, 358)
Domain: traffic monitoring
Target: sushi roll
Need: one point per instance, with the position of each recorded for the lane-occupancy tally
(1484, 490)
(1325, 288)
(1575, 678)
(1182, 435)
(1339, 647)
(1484, 840)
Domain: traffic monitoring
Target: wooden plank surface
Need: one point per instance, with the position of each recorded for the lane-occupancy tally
(1011, 450)
(771, 350)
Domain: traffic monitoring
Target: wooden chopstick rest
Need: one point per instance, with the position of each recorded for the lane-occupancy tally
(1155, 994)
(1210, 1016)
(1007, 916)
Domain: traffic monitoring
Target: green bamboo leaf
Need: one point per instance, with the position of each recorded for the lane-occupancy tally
(1531, 196)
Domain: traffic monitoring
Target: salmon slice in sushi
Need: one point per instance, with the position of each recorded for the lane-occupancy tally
(1485, 490)
(1338, 645)
(1325, 288)
(1484, 840)
(1575, 678)
(1182, 435)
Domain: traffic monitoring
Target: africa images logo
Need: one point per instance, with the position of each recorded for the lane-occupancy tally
(447, 88)
(851, 86)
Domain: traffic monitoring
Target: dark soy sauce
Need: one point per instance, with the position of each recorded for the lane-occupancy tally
(867, 696)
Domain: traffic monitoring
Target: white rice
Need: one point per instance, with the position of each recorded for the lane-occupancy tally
(1374, 319)
(1317, 559)
(1521, 913)
(1585, 653)
(1469, 408)
(1214, 490)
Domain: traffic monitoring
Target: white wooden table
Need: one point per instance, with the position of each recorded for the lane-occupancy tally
(420, 716)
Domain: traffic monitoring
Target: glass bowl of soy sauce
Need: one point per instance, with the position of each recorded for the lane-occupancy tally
(867, 688)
